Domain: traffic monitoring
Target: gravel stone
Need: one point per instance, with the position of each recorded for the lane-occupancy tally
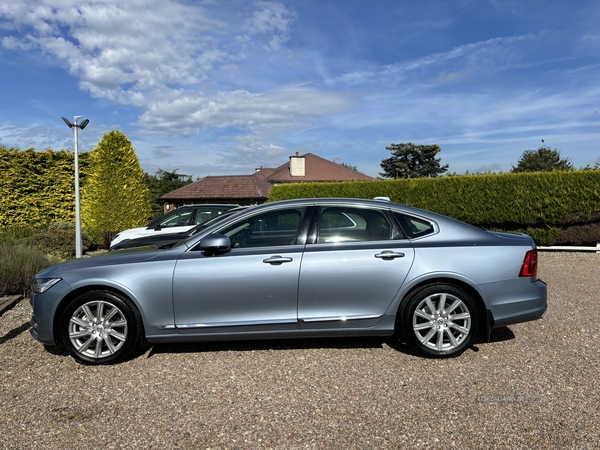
(533, 386)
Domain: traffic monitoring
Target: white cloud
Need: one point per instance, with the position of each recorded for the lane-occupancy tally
(164, 57)
(191, 113)
(225, 73)
(122, 51)
(162, 152)
(270, 18)
(11, 43)
(40, 137)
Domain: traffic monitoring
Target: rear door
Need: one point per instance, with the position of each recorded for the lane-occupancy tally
(352, 271)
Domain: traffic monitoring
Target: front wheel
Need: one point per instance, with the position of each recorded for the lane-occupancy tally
(100, 327)
(439, 320)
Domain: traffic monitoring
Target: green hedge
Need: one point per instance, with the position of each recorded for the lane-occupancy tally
(543, 205)
(37, 187)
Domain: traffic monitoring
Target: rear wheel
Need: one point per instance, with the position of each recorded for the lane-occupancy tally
(439, 320)
(100, 327)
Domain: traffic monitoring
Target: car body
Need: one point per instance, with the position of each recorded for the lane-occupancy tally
(164, 240)
(297, 268)
(176, 221)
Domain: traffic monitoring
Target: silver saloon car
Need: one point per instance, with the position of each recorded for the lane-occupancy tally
(298, 268)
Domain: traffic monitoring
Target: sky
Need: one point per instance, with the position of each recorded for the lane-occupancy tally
(222, 87)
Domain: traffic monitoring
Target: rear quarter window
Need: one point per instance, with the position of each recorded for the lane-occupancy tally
(415, 227)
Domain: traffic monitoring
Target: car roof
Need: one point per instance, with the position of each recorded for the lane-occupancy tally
(361, 202)
(343, 201)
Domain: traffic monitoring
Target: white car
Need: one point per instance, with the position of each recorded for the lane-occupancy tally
(178, 220)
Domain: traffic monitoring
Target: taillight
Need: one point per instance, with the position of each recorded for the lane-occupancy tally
(530, 263)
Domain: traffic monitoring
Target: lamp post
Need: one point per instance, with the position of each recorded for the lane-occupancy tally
(75, 127)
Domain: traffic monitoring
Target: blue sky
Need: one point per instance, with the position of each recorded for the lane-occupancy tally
(225, 86)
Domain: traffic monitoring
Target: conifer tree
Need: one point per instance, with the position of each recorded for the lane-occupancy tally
(114, 196)
(412, 161)
(544, 159)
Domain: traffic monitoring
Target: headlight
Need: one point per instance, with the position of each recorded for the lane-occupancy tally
(41, 285)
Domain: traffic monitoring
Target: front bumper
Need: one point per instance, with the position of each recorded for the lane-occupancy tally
(44, 310)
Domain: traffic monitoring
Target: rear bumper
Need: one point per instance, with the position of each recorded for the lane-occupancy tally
(510, 303)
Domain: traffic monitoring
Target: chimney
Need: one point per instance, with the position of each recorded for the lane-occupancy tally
(297, 166)
(258, 169)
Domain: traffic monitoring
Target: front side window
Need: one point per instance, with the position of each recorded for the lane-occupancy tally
(339, 224)
(268, 229)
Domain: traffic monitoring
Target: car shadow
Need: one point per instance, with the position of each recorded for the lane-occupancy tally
(14, 332)
(501, 334)
(497, 335)
(56, 350)
(278, 344)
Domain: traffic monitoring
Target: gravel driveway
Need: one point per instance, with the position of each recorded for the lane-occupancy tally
(533, 386)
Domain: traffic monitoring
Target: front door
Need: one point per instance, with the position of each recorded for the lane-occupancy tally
(252, 287)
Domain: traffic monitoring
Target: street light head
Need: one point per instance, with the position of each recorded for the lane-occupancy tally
(69, 124)
(84, 124)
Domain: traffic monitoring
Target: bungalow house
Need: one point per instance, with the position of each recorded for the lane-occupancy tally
(254, 189)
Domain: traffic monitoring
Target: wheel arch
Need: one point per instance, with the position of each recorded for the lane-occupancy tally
(82, 290)
(482, 316)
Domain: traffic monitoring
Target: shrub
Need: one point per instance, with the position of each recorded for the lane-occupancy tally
(13, 233)
(18, 264)
(57, 242)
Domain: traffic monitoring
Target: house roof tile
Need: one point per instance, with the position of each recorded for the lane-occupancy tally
(318, 169)
(258, 185)
(223, 187)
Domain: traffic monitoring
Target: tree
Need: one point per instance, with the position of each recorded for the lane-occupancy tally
(349, 166)
(412, 161)
(114, 196)
(596, 166)
(161, 183)
(544, 159)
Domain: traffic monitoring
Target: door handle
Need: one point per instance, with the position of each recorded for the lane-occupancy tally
(276, 260)
(388, 254)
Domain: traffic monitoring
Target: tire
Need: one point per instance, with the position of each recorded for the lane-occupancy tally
(439, 320)
(100, 327)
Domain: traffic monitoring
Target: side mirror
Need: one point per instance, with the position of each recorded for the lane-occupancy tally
(212, 243)
(157, 227)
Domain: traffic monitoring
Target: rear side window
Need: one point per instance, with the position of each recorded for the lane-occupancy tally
(415, 227)
(346, 224)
